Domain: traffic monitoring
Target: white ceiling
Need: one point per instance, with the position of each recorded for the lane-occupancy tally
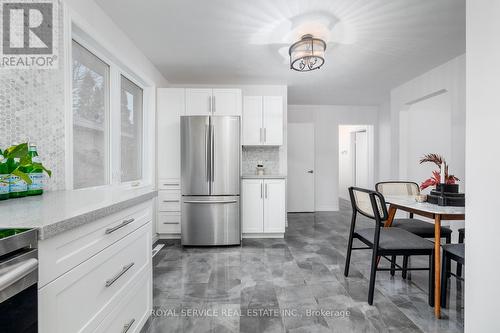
(375, 46)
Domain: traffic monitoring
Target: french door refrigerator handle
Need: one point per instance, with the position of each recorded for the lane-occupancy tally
(207, 152)
(261, 190)
(212, 154)
(209, 104)
(266, 191)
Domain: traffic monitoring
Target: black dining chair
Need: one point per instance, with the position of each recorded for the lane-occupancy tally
(418, 227)
(384, 241)
(461, 239)
(454, 252)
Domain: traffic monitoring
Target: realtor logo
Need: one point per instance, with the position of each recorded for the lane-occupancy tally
(29, 34)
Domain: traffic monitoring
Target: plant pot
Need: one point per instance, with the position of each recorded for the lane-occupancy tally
(448, 188)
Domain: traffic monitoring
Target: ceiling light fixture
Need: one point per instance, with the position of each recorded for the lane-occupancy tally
(307, 54)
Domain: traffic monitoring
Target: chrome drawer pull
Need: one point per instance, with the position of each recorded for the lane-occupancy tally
(121, 225)
(126, 327)
(171, 200)
(211, 202)
(117, 276)
(170, 222)
(171, 184)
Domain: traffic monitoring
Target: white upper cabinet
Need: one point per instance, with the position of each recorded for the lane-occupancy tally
(226, 102)
(216, 102)
(262, 120)
(198, 102)
(273, 120)
(252, 120)
(170, 105)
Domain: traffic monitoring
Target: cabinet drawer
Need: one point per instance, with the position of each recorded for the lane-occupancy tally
(169, 201)
(79, 300)
(169, 223)
(134, 309)
(61, 253)
(169, 184)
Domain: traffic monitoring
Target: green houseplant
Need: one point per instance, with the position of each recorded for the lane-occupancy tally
(20, 163)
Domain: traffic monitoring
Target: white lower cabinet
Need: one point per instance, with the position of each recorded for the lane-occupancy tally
(86, 298)
(263, 206)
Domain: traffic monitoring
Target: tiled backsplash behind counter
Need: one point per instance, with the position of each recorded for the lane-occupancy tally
(270, 156)
(32, 106)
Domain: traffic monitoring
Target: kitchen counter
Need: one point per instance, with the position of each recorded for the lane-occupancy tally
(55, 212)
(263, 177)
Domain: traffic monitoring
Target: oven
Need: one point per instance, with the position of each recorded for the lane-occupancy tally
(18, 280)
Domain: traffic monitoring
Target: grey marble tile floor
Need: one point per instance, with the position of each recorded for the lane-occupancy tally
(294, 284)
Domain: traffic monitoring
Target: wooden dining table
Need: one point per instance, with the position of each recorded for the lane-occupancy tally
(438, 214)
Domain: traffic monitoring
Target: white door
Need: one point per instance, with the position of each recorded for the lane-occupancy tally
(252, 120)
(170, 107)
(274, 205)
(252, 206)
(361, 159)
(300, 167)
(198, 102)
(226, 102)
(273, 120)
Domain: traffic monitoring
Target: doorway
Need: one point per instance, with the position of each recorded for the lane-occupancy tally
(300, 167)
(355, 158)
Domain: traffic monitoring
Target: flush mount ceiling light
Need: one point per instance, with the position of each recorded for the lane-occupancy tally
(307, 54)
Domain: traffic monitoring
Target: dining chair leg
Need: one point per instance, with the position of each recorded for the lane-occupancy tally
(461, 238)
(348, 256)
(373, 273)
(393, 265)
(405, 267)
(444, 279)
(431, 280)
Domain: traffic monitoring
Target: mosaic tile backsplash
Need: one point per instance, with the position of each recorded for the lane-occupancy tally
(32, 107)
(269, 155)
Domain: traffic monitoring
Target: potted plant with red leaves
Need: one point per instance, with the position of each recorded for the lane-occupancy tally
(450, 181)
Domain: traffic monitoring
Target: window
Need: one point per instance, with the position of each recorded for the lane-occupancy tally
(131, 130)
(90, 119)
(107, 120)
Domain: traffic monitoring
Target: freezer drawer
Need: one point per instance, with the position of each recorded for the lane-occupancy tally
(213, 220)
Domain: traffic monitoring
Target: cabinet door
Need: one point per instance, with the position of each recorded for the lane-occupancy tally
(252, 194)
(171, 105)
(273, 120)
(198, 102)
(274, 205)
(252, 121)
(226, 102)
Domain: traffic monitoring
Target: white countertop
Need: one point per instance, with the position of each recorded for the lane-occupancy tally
(254, 176)
(59, 211)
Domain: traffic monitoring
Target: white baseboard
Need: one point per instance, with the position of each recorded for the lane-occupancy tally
(327, 208)
(262, 235)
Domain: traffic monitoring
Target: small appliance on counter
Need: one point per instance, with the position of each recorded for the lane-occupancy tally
(259, 169)
(210, 180)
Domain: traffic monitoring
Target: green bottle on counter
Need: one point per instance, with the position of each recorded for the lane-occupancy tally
(17, 187)
(35, 172)
(4, 177)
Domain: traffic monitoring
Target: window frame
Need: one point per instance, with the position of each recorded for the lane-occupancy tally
(75, 32)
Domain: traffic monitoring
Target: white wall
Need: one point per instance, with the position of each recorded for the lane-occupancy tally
(327, 119)
(89, 16)
(451, 77)
(482, 273)
(384, 141)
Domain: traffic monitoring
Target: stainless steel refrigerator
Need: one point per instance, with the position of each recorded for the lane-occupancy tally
(210, 164)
